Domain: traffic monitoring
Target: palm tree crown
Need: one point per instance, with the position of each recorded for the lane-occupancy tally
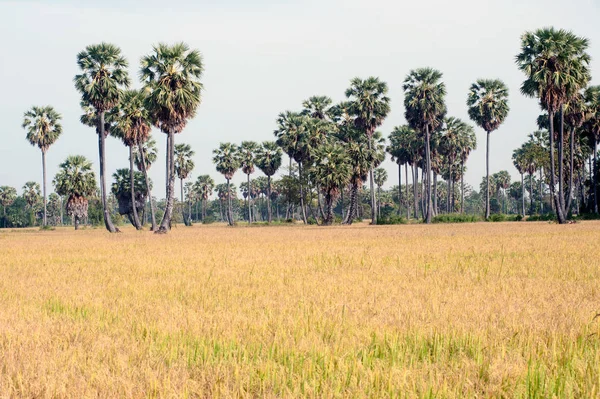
(488, 103)
(183, 160)
(43, 126)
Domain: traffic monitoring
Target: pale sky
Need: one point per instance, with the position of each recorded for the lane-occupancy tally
(265, 56)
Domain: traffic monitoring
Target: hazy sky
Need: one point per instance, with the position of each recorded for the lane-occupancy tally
(265, 56)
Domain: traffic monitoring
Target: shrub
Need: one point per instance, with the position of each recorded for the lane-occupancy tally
(392, 219)
(456, 218)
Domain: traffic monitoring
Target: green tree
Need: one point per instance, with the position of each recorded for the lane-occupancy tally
(370, 105)
(268, 160)
(43, 129)
(171, 76)
(227, 162)
(77, 181)
(103, 76)
(247, 154)
(8, 195)
(145, 154)
(556, 66)
(380, 177)
(121, 189)
(31, 194)
(488, 107)
(425, 111)
(406, 144)
(204, 186)
(183, 167)
(592, 126)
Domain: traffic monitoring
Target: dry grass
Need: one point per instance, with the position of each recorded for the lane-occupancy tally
(444, 311)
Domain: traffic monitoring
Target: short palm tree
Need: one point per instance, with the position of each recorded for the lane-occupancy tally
(8, 195)
(76, 180)
(43, 129)
(183, 167)
(145, 154)
(380, 177)
(101, 81)
(172, 80)
(227, 162)
(556, 66)
(31, 194)
(204, 186)
(247, 155)
(332, 170)
(133, 128)
(488, 107)
(425, 110)
(370, 105)
(268, 160)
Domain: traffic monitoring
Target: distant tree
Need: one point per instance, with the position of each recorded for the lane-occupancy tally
(380, 176)
(204, 186)
(183, 167)
(145, 155)
(247, 155)
(268, 160)
(227, 163)
(121, 189)
(8, 195)
(77, 181)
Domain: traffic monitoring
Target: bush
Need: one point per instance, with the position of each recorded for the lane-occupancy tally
(587, 216)
(547, 217)
(311, 220)
(392, 219)
(456, 218)
(209, 220)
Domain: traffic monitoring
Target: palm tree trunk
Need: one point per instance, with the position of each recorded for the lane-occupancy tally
(371, 184)
(487, 177)
(269, 206)
(523, 194)
(329, 213)
(415, 178)
(462, 186)
(448, 209)
(541, 191)
(221, 209)
(230, 210)
(406, 191)
(101, 149)
(136, 219)
(553, 194)
(399, 189)
(351, 214)
(303, 208)
(561, 144)
(341, 200)
(44, 185)
(435, 199)
(571, 170)
(248, 200)
(165, 225)
(378, 202)
(595, 178)
(145, 171)
(428, 165)
(422, 191)
(531, 194)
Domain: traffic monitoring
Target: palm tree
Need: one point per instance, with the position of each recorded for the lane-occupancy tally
(520, 163)
(332, 171)
(43, 129)
(31, 195)
(172, 79)
(103, 76)
(400, 154)
(184, 165)
(370, 106)
(204, 185)
(133, 128)
(145, 154)
(76, 180)
(8, 195)
(425, 110)
(227, 162)
(488, 107)
(555, 63)
(468, 142)
(406, 139)
(268, 160)
(247, 155)
(575, 115)
(317, 107)
(592, 126)
(121, 189)
(380, 177)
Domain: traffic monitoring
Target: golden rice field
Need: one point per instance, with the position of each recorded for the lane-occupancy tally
(444, 311)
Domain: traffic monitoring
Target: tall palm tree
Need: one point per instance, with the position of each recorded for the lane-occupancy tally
(332, 171)
(468, 142)
(31, 194)
(380, 177)
(76, 180)
(488, 107)
(370, 105)
(400, 154)
(204, 185)
(145, 154)
(8, 195)
(247, 155)
(268, 160)
(183, 167)
(425, 110)
(592, 126)
(575, 115)
(227, 161)
(172, 79)
(133, 128)
(520, 163)
(556, 66)
(101, 81)
(43, 129)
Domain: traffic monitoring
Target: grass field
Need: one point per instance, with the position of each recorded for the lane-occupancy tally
(444, 311)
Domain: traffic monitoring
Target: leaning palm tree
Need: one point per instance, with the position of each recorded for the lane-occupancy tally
(102, 79)
(172, 79)
(247, 155)
(77, 181)
(227, 162)
(268, 160)
(425, 111)
(380, 176)
(204, 185)
(556, 66)
(133, 128)
(145, 154)
(332, 171)
(370, 105)
(488, 107)
(184, 165)
(8, 195)
(43, 129)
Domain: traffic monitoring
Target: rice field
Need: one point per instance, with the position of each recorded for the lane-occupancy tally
(504, 310)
